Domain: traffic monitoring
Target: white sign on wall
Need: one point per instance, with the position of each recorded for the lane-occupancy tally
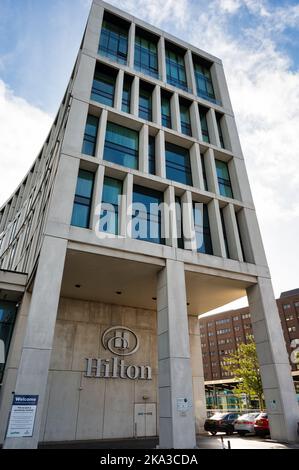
(22, 416)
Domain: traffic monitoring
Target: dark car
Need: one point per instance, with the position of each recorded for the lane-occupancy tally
(221, 422)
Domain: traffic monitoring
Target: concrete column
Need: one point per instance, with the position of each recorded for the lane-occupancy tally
(220, 85)
(188, 222)
(232, 233)
(162, 59)
(99, 155)
(94, 25)
(239, 180)
(216, 229)
(119, 85)
(160, 154)
(278, 385)
(231, 134)
(199, 396)
(75, 128)
(131, 46)
(251, 237)
(177, 428)
(157, 105)
(37, 347)
(175, 112)
(170, 222)
(195, 121)
(211, 173)
(135, 97)
(126, 206)
(197, 174)
(190, 72)
(84, 78)
(143, 149)
(213, 129)
(97, 197)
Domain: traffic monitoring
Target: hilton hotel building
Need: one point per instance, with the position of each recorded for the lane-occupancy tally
(105, 330)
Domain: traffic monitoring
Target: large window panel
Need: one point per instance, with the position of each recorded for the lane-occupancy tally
(146, 56)
(204, 124)
(90, 135)
(175, 69)
(109, 219)
(126, 98)
(204, 82)
(145, 102)
(166, 110)
(224, 182)
(121, 146)
(8, 311)
(103, 87)
(147, 218)
(83, 199)
(114, 42)
(152, 155)
(202, 228)
(185, 119)
(178, 166)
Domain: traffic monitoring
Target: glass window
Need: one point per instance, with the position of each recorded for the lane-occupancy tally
(146, 223)
(145, 103)
(202, 228)
(114, 42)
(8, 311)
(165, 109)
(204, 124)
(225, 187)
(175, 69)
(224, 233)
(83, 197)
(121, 146)
(185, 119)
(204, 173)
(221, 138)
(126, 99)
(90, 135)
(146, 57)
(178, 167)
(179, 222)
(152, 155)
(204, 81)
(103, 86)
(112, 191)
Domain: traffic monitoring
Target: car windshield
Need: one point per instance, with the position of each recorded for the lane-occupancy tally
(218, 415)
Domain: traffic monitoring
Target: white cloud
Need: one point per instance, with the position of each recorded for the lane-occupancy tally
(23, 131)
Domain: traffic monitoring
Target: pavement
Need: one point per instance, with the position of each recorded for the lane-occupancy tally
(204, 441)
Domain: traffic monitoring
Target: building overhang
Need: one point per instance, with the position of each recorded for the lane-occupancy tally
(12, 285)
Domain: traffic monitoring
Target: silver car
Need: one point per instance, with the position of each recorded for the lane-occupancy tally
(245, 424)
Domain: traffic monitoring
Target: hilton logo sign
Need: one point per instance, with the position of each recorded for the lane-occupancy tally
(120, 341)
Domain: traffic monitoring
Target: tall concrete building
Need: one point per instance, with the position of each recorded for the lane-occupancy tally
(104, 292)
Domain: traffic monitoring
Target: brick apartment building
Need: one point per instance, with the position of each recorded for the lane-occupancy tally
(221, 333)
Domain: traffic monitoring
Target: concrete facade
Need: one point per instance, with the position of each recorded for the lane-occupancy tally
(138, 281)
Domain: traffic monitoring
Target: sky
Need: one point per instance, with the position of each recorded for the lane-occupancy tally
(258, 42)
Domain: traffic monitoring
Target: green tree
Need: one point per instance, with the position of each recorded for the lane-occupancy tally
(244, 367)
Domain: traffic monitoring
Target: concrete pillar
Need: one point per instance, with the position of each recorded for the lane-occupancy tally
(239, 180)
(199, 396)
(143, 149)
(251, 237)
(162, 59)
(232, 136)
(190, 72)
(93, 30)
(188, 222)
(37, 347)
(216, 229)
(177, 428)
(157, 118)
(211, 173)
(135, 97)
(84, 78)
(232, 233)
(97, 197)
(175, 112)
(195, 121)
(170, 221)
(160, 154)
(75, 128)
(131, 46)
(126, 207)
(213, 129)
(220, 85)
(119, 85)
(278, 385)
(196, 167)
(99, 155)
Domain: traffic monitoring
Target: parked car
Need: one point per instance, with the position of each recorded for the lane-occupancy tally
(221, 422)
(261, 425)
(245, 423)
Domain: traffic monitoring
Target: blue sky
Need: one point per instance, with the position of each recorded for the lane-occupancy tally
(258, 41)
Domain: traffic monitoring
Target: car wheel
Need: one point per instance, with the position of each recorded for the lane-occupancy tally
(213, 433)
(230, 432)
(242, 433)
